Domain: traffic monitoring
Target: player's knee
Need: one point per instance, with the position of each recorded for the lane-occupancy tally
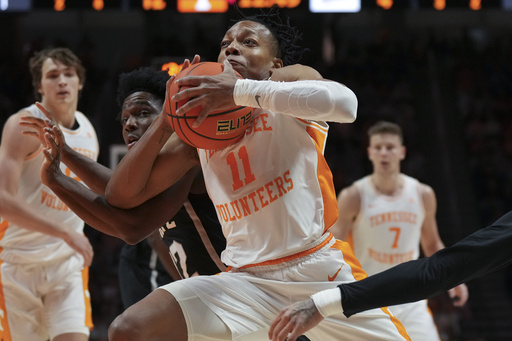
(124, 328)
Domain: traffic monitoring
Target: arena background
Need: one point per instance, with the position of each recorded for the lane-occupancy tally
(444, 75)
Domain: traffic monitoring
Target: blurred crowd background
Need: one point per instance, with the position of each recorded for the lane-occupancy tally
(445, 77)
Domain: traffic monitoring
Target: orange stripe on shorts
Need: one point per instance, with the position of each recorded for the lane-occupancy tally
(359, 274)
(5, 332)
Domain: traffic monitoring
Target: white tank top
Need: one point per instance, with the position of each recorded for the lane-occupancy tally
(273, 190)
(25, 246)
(387, 230)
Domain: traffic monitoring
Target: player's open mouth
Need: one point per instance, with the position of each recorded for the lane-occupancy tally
(131, 142)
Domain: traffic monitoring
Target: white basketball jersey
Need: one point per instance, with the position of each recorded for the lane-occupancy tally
(387, 230)
(25, 246)
(272, 190)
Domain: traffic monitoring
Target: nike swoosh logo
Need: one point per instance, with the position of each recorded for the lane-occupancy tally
(257, 98)
(332, 278)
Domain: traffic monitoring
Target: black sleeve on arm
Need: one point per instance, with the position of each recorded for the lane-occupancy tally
(484, 251)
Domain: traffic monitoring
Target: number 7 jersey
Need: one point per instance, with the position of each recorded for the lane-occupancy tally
(273, 190)
(387, 230)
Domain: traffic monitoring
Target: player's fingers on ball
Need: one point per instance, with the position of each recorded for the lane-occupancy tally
(186, 64)
(191, 81)
(183, 94)
(200, 119)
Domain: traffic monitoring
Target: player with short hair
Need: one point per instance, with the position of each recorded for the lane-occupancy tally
(385, 217)
(44, 253)
(273, 193)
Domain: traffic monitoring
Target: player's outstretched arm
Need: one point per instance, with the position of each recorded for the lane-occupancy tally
(480, 253)
(131, 225)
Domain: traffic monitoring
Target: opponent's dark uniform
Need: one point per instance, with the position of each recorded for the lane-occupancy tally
(482, 252)
(194, 237)
(195, 241)
(140, 272)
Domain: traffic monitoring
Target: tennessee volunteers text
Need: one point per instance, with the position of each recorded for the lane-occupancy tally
(256, 200)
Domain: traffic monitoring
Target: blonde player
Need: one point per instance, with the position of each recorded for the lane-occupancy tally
(44, 254)
(386, 216)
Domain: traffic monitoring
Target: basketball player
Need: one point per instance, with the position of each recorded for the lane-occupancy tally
(272, 190)
(385, 217)
(44, 253)
(480, 253)
(193, 236)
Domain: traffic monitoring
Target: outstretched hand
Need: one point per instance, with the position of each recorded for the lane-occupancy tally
(294, 320)
(38, 125)
(52, 139)
(54, 143)
(211, 93)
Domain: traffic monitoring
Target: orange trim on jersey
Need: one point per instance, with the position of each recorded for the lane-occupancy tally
(291, 257)
(5, 332)
(315, 124)
(3, 228)
(324, 177)
(350, 239)
(70, 131)
(359, 274)
(397, 323)
(36, 153)
(87, 298)
(350, 259)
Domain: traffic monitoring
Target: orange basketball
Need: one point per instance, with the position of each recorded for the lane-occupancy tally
(220, 128)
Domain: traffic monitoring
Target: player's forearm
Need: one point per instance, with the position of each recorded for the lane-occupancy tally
(17, 211)
(93, 174)
(482, 252)
(319, 100)
(130, 225)
(91, 207)
(130, 178)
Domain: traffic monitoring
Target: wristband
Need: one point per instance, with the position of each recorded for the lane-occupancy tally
(328, 302)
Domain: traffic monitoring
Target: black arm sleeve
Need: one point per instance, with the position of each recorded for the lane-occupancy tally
(482, 252)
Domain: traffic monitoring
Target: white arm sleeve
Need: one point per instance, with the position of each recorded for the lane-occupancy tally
(328, 302)
(311, 99)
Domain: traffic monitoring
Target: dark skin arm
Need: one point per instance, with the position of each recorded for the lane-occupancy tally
(130, 225)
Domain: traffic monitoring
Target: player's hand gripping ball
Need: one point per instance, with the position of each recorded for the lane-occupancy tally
(220, 129)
